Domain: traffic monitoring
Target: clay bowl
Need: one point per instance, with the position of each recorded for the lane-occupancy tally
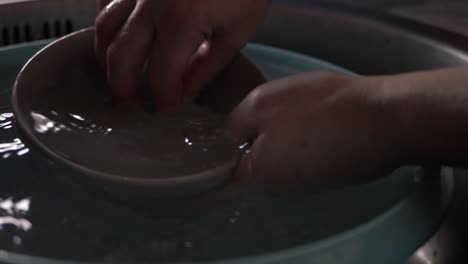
(62, 107)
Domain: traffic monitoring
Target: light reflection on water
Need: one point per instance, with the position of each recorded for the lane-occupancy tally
(14, 146)
(14, 213)
(44, 124)
(69, 216)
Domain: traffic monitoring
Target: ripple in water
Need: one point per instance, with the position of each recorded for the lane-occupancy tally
(15, 147)
(44, 124)
(13, 213)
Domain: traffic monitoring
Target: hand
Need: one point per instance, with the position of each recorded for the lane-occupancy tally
(315, 131)
(185, 43)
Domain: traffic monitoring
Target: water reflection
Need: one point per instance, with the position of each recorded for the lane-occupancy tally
(14, 214)
(77, 117)
(20, 223)
(19, 207)
(5, 120)
(44, 124)
(5, 116)
(15, 146)
(188, 142)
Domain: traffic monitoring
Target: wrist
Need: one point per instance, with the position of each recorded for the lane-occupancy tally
(387, 111)
(430, 115)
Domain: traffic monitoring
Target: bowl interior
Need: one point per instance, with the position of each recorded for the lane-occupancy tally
(62, 104)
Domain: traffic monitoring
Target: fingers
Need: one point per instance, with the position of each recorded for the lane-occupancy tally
(109, 23)
(126, 56)
(206, 64)
(170, 58)
(243, 123)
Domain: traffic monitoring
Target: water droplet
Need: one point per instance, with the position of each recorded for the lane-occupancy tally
(188, 141)
(243, 146)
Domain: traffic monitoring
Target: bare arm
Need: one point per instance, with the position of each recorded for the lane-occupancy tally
(432, 113)
(318, 131)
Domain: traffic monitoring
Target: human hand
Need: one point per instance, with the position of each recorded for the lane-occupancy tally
(314, 132)
(185, 44)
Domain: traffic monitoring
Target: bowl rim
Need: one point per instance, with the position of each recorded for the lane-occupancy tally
(308, 250)
(21, 116)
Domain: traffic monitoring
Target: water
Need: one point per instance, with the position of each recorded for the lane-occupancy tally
(38, 201)
(136, 144)
(45, 213)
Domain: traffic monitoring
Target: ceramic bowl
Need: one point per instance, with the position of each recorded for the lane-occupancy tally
(62, 106)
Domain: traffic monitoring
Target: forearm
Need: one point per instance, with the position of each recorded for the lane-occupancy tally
(430, 110)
